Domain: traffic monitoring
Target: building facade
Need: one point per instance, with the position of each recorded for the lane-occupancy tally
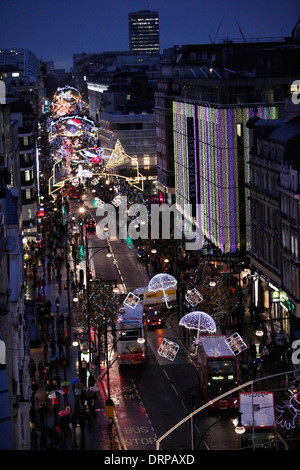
(275, 221)
(228, 73)
(15, 425)
(144, 32)
(210, 148)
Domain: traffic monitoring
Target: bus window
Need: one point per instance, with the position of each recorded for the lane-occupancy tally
(222, 376)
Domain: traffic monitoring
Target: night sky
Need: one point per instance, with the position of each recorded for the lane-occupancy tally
(55, 29)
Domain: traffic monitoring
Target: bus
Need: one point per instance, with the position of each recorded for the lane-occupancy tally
(258, 418)
(74, 192)
(218, 371)
(154, 298)
(130, 330)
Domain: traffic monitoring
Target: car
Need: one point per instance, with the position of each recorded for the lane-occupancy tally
(90, 224)
(142, 255)
(154, 316)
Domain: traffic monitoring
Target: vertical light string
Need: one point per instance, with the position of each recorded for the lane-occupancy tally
(217, 168)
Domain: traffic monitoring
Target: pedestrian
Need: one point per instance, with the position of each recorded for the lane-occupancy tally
(53, 347)
(52, 321)
(62, 321)
(65, 389)
(82, 420)
(77, 393)
(48, 386)
(49, 305)
(34, 439)
(64, 364)
(55, 409)
(32, 368)
(57, 303)
(68, 321)
(39, 285)
(265, 355)
(41, 413)
(74, 420)
(34, 387)
(60, 344)
(252, 349)
(57, 378)
(251, 310)
(43, 439)
(45, 351)
(58, 278)
(46, 411)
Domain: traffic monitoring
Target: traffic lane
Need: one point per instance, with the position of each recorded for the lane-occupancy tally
(186, 382)
(183, 377)
(162, 403)
(218, 432)
(134, 273)
(134, 425)
(104, 267)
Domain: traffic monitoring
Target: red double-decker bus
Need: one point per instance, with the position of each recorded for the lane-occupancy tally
(258, 418)
(74, 192)
(218, 371)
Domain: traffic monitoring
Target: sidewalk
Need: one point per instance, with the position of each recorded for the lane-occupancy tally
(91, 432)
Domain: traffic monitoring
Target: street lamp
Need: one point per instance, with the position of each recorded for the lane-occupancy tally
(259, 331)
(240, 428)
(87, 248)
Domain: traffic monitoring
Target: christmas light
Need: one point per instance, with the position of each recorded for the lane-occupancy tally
(217, 167)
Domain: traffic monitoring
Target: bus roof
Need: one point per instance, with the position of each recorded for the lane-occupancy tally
(261, 405)
(132, 314)
(215, 346)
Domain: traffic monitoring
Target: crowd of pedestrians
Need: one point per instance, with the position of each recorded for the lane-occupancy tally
(61, 403)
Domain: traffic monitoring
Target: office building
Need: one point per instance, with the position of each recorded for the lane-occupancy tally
(144, 32)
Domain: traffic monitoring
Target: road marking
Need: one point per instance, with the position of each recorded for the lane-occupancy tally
(175, 390)
(166, 374)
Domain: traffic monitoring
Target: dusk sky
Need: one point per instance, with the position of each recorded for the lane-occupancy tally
(56, 29)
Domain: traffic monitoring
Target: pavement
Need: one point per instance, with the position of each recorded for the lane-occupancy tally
(95, 430)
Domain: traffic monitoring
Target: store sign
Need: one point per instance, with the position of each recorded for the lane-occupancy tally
(279, 296)
(224, 258)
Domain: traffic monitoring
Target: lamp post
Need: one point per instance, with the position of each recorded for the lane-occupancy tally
(109, 413)
(87, 265)
(76, 344)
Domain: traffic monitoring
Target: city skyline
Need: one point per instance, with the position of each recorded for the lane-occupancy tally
(57, 30)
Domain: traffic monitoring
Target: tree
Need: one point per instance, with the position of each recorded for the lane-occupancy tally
(218, 301)
(103, 304)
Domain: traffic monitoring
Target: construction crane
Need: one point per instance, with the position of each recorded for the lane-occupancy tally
(218, 29)
(239, 27)
(294, 29)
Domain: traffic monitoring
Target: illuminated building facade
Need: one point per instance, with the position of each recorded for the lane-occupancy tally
(210, 149)
(275, 218)
(144, 32)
